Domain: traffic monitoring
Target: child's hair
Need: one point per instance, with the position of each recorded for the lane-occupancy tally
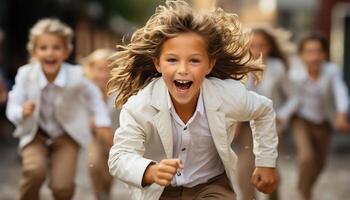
(275, 47)
(50, 25)
(228, 43)
(314, 37)
(99, 54)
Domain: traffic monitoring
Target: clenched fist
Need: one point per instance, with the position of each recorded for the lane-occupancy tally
(28, 109)
(161, 173)
(265, 179)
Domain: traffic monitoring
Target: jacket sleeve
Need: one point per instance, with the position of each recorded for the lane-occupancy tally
(340, 92)
(126, 159)
(291, 102)
(17, 96)
(259, 111)
(96, 104)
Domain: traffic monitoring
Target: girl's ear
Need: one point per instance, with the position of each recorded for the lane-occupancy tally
(211, 65)
(156, 64)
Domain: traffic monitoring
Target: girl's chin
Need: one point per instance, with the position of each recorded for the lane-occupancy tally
(183, 99)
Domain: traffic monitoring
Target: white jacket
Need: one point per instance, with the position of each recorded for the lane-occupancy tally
(71, 108)
(145, 132)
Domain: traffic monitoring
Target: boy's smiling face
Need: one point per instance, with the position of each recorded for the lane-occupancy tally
(313, 54)
(184, 63)
(50, 51)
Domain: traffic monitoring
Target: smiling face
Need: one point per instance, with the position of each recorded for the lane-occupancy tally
(259, 45)
(313, 54)
(100, 73)
(184, 63)
(50, 51)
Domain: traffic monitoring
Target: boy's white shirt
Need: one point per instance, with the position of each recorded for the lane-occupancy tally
(72, 108)
(145, 133)
(334, 93)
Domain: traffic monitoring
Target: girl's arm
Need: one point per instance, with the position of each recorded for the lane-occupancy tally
(259, 111)
(96, 104)
(341, 97)
(126, 159)
(102, 121)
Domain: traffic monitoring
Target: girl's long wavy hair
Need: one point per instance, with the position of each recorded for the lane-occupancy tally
(227, 42)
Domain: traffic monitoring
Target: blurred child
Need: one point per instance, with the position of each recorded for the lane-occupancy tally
(323, 103)
(178, 84)
(3, 86)
(3, 90)
(49, 104)
(96, 69)
(274, 85)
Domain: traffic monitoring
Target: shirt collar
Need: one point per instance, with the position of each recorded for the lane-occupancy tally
(59, 81)
(199, 108)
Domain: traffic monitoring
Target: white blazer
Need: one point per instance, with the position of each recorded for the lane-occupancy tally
(145, 132)
(71, 109)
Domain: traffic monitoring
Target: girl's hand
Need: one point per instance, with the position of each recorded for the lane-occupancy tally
(265, 179)
(105, 134)
(161, 173)
(342, 123)
(28, 109)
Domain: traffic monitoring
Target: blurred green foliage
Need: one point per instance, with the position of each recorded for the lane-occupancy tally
(135, 11)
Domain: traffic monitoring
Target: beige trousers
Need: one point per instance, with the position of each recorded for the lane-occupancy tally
(98, 167)
(57, 160)
(312, 143)
(217, 188)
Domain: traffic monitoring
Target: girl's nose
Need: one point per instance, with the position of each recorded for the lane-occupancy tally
(182, 69)
(50, 51)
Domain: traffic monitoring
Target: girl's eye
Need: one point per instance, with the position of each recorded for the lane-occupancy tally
(57, 47)
(42, 48)
(195, 61)
(171, 60)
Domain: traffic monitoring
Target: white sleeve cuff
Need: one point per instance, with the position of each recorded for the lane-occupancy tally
(265, 162)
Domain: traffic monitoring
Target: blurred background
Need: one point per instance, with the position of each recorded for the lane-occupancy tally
(104, 23)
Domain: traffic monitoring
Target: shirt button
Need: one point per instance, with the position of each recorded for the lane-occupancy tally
(185, 128)
(178, 173)
(183, 149)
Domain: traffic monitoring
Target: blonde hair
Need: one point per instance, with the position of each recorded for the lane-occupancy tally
(50, 25)
(99, 54)
(228, 43)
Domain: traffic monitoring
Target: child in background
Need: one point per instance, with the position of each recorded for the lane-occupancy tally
(96, 69)
(50, 104)
(3, 90)
(323, 104)
(274, 85)
(178, 84)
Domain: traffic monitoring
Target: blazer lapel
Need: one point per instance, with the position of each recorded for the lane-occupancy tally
(162, 119)
(216, 118)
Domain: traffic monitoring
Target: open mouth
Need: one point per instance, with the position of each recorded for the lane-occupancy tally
(183, 85)
(50, 62)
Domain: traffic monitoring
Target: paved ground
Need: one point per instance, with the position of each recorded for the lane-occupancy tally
(334, 184)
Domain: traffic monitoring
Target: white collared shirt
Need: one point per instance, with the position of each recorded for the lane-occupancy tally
(312, 105)
(47, 119)
(194, 146)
